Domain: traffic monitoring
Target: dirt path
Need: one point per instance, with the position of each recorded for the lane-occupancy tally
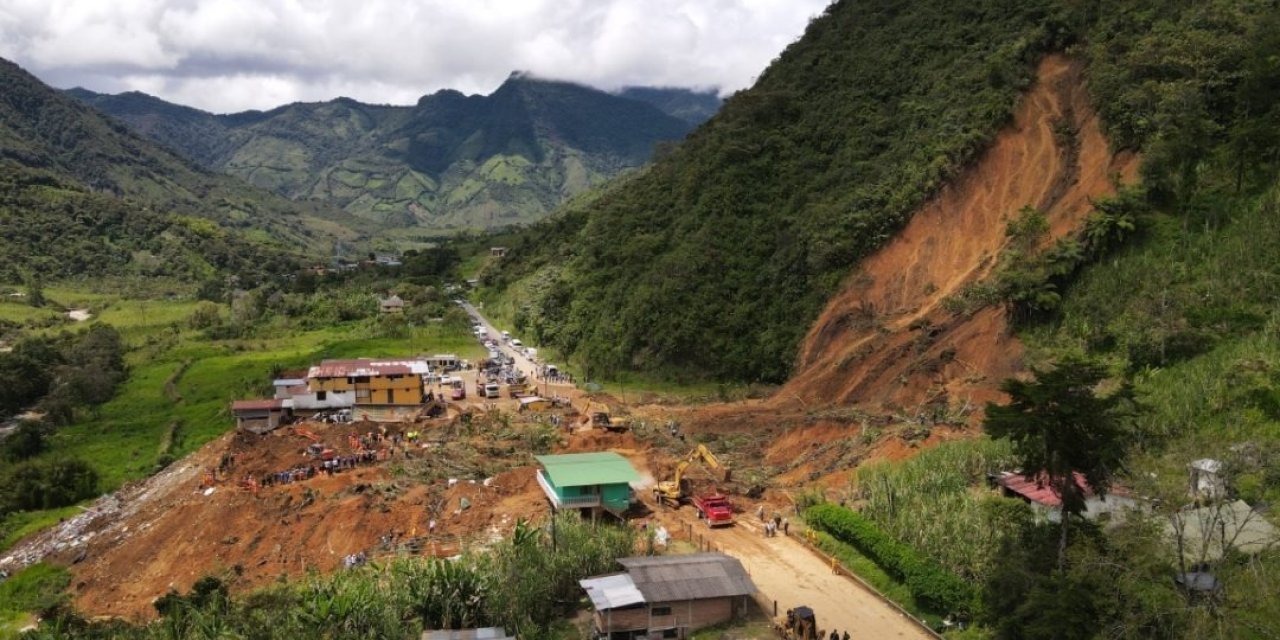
(785, 571)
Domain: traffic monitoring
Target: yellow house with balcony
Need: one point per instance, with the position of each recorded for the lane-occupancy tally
(374, 382)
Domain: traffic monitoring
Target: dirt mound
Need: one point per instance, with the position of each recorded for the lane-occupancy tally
(179, 530)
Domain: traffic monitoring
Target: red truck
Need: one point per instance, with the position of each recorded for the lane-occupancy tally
(715, 508)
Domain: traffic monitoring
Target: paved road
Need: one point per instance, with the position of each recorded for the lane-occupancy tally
(522, 362)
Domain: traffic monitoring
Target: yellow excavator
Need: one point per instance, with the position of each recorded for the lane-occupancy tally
(596, 416)
(672, 492)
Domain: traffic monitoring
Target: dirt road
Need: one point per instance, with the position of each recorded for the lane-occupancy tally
(787, 572)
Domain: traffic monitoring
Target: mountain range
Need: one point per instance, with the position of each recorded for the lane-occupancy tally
(82, 194)
(450, 162)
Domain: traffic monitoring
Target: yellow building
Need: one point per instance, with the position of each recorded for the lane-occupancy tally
(374, 382)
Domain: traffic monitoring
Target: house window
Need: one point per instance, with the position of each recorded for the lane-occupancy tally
(362, 393)
(661, 611)
(320, 395)
(391, 396)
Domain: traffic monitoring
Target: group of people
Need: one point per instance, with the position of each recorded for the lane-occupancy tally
(287, 477)
(338, 463)
(774, 524)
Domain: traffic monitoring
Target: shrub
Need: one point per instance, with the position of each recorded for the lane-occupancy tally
(930, 584)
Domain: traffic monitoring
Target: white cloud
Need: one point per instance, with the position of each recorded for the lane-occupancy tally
(227, 55)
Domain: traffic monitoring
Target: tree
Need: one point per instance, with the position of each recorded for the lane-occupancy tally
(35, 291)
(1059, 425)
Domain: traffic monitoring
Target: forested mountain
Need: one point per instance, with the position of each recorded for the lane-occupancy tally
(82, 194)
(717, 259)
(449, 162)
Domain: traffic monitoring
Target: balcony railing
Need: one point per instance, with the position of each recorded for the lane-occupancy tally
(571, 502)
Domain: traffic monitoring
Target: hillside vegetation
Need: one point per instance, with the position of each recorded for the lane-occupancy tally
(451, 162)
(717, 259)
(43, 129)
(1170, 286)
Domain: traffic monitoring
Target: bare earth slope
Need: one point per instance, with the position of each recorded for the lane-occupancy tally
(886, 339)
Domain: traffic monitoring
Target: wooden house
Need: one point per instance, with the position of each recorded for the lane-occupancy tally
(590, 482)
(668, 596)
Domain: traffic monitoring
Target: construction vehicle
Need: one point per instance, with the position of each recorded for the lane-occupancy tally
(798, 624)
(518, 389)
(596, 416)
(673, 492)
(317, 448)
(459, 389)
(714, 509)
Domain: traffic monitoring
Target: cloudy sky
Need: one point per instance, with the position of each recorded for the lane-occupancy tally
(231, 55)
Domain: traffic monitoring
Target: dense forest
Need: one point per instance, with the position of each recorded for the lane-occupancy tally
(718, 258)
(57, 229)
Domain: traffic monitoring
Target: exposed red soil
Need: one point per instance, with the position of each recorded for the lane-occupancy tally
(887, 344)
(179, 534)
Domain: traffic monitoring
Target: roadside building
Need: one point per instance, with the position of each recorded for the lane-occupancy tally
(444, 362)
(391, 305)
(381, 390)
(498, 252)
(593, 483)
(1037, 492)
(260, 416)
(485, 633)
(668, 596)
(285, 387)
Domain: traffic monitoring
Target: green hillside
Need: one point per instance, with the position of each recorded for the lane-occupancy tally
(451, 162)
(43, 129)
(717, 259)
(81, 195)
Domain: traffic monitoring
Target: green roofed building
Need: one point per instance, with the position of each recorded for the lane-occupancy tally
(592, 482)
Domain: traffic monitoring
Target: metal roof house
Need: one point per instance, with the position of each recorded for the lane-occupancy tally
(1036, 491)
(260, 416)
(485, 633)
(589, 481)
(668, 596)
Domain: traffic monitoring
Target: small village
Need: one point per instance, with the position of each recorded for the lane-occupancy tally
(382, 410)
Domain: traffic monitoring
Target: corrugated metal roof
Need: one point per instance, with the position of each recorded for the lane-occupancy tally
(688, 577)
(486, 633)
(1036, 488)
(257, 405)
(582, 469)
(612, 591)
(366, 367)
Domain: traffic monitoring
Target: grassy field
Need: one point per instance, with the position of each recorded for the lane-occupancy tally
(147, 423)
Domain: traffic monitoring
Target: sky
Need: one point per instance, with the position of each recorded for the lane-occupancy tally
(233, 55)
